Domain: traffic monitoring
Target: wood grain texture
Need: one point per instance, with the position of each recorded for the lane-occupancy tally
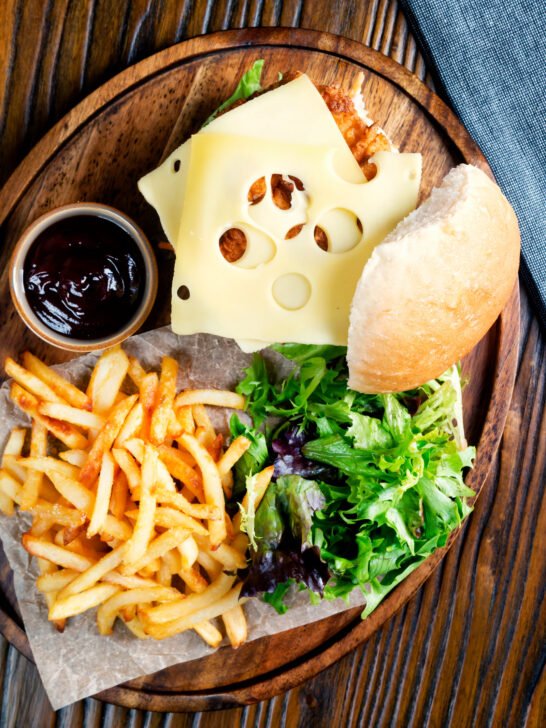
(477, 659)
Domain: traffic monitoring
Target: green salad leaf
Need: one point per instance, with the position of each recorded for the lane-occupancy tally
(390, 468)
(248, 85)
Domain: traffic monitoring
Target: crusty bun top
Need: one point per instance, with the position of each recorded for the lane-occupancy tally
(434, 286)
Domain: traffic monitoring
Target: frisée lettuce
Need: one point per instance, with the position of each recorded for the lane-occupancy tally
(365, 487)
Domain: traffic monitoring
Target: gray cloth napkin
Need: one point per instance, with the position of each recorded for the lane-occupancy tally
(490, 58)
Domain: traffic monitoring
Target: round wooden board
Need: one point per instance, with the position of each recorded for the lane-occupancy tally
(98, 152)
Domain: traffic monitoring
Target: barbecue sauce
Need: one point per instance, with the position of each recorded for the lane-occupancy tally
(84, 277)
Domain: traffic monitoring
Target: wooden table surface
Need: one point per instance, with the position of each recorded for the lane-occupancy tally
(468, 649)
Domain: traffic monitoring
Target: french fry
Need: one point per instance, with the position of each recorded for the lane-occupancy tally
(184, 416)
(66, 391)
(169, 518)
(135, 627)
(179, 469)
(105, 439)
(129, 613)
(234, 452)
(120, 492)
(163, 411)
(208, 632)
(15, 443)
(144, 524)
(209, 564)
(11, 465)
(58, 513)
(74, 457)
(127, 582)
(107, 612)
(216, 446)
(128, 465)
(47, 568)
(56, 554)
(210, 611)
(174, 429)
(172, 560)
(95, 573)
(107, 378)
(196, 510)
(55, 580)
(66, 413)
(163, 575)
(81, 602)
(132, 425)
(41, 525)
(6, 504)
(83, 500)
(10, 486)
(151, 568)
(136, 371)
(148, 389)
(193, 579)
(240, 542)
(191, 604)
(227, 484)
(102, 496)
(77, 544)
(157, 548)
(30, 382)
(12, 450)
(225, 554)
(214, 495)
(188, 551)
(235, 624)
(136, 447)
(204, 425)
(71, 532)
(63, 431)
(216, 397)
(47, 464)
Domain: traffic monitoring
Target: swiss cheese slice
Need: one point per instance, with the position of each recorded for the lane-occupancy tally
(281, 289)
(293, 113)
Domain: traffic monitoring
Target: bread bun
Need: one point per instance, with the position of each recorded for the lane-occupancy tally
(434, 286)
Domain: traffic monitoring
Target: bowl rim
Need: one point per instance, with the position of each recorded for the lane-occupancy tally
(16, 271)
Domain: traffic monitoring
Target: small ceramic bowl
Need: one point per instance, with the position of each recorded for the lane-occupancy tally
(17, 265)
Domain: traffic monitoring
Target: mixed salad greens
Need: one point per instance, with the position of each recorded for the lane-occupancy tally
(365, 487)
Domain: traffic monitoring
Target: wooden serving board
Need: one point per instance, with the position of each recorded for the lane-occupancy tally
(99, 151)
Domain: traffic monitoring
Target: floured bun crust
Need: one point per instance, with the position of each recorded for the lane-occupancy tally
(434, 286)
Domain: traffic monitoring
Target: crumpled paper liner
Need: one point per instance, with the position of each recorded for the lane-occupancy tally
(81, 662)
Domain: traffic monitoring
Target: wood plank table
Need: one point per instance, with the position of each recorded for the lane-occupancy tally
(467, 650)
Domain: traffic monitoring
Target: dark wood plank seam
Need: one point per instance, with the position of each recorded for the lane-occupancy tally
(522, 503)
(11, 65)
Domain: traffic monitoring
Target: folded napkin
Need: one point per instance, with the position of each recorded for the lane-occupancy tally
(490, 58)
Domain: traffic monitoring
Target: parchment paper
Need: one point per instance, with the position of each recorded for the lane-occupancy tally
(81, 662)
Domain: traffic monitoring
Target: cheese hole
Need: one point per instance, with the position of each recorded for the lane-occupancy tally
(297, 182)
(176, 165)
(281, 191)
(233, 244)
(296, 230)
(291, 291)
(257, 191)
(338, 231)
(321, 239)
(183, 292)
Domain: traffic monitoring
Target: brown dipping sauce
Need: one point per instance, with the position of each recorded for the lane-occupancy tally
(84, 277)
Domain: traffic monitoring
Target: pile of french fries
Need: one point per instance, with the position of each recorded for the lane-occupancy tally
(127, 493)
